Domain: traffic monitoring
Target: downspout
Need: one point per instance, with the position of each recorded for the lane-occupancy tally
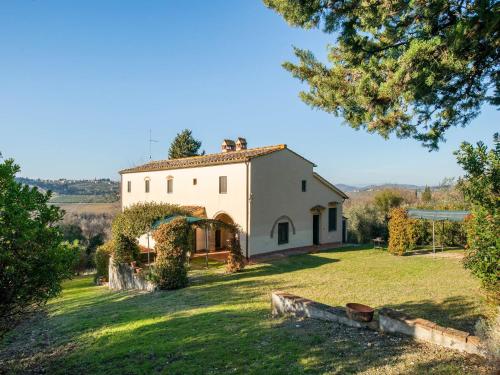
(247, 163)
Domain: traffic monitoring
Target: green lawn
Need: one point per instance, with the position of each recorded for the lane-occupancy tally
(222, 323)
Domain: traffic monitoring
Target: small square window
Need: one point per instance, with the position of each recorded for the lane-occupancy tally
(195, 181)
(129, 186)
(304, 185)
(282, 233)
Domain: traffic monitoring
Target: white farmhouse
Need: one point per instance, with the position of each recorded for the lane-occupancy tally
(271, 192)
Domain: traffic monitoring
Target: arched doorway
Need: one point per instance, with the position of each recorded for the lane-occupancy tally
(221, 236)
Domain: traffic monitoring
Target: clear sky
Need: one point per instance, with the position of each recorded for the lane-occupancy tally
(81, 84)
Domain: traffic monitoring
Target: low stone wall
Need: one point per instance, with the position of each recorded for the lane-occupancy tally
(389, 321)
(123, 277)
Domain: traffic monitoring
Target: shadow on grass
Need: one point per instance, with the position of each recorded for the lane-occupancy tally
(454, 312)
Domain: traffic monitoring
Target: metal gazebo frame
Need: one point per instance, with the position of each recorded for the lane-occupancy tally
(438, 215)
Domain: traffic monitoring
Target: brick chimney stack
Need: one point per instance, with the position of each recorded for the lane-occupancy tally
(241, 144)
(228, 145)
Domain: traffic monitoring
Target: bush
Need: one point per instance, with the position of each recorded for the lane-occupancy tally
(172, 244)
(102, 255)
(235, 259)
(401, 232)
(483, 254)
(126, 249)
(365, 223)
(33, 258)
(136, 220)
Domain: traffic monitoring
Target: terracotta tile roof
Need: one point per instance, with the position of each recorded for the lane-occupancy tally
(205, 160)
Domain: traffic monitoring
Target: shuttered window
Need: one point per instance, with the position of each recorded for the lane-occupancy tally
(129, 186)
(222, 184)
(170, 185)
(332, 219)
(282, 233)
(304, 185)
(146, 186)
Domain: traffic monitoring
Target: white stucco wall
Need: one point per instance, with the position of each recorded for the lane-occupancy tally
(276, 191)
(205, 193)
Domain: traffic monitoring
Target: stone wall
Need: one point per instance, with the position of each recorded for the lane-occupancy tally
(123, 277)
(389, 321)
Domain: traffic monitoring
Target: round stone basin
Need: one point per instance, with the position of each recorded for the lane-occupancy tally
(359, 312)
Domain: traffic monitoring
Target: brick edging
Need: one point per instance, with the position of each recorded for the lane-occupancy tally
(389, 321)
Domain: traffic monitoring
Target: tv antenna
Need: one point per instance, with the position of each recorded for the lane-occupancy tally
(151, 141)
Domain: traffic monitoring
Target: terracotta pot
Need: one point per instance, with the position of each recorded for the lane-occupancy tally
(359, 312)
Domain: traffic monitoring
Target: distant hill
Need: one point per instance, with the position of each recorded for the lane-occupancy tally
(374, 187)
(77, 191)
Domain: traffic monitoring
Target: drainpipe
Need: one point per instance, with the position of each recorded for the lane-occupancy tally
(247, 209)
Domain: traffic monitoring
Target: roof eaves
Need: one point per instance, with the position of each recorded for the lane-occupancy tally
(330, 185)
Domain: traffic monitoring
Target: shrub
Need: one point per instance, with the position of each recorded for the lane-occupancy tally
(401, 232)
(172, 244)
(387, 199)
(102, 255)
(365, 223)
(235, 259)
(33, 258)
(126, 249)
(483, 254)
(136, 220)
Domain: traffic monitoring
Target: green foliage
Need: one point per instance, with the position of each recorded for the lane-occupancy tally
(137, 219)
(413, 69)
(401, 232)
(481, 187)
(33, 258)
(126, 249)
(80, 264)
(427, 195)
(235, 259)
(365, 223)
(172, 244)
(184, 145)
(387, 199)
(102, 255)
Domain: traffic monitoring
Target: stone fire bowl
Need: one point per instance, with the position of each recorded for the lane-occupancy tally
(359, 312)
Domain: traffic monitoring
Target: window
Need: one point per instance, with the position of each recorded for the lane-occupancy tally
(170, 185)
(332, 219)
(195, 181)
(146, 186)
(129, 186)
(304, 185)
(222, 184)
(282, 233)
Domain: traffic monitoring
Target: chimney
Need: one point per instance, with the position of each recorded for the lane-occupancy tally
(228, 145)
(241, 144)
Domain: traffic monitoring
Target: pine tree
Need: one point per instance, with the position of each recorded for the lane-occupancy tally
(413, 69)
(427, 195)
(184, 145)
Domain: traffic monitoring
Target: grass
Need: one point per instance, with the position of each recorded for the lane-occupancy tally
(222, 323)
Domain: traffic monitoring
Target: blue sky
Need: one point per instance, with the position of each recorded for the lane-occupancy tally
(81, 84)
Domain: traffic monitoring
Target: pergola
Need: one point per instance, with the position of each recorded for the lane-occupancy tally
(438, 215)
(199, 222)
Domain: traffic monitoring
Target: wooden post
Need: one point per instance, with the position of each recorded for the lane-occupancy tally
(206, 247)
(433, 239)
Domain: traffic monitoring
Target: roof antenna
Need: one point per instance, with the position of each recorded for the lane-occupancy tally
(151, 140)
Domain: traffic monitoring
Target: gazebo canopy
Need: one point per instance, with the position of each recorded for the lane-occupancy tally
(168, 219)
(438, 215)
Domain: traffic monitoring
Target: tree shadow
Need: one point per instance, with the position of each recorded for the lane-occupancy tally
(457, 312)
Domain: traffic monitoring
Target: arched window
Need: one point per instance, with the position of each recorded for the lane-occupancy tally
(170, 185)
(146, 184)
(282, 219)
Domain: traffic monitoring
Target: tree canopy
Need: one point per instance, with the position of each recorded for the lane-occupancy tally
(409, 68)
(33, 258)
(184, 145)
